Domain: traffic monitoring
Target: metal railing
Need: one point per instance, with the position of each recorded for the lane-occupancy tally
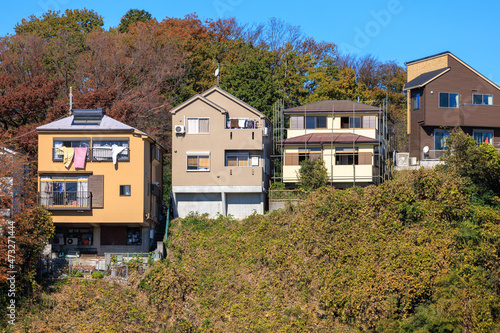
(65, 199)
(433, 155)
(97, 154)
(105, 154)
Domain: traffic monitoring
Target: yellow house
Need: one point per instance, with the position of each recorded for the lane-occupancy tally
(350, 138)
(102, 181)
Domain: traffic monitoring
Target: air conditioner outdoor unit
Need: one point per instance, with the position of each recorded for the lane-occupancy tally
(58, 240)
(71, 241)
(180, 129)
(265, 131)
(402, 159)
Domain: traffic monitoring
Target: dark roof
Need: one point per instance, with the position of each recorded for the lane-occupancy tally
(425, 78)
(324, 138)
(336, 106)
(428, 57)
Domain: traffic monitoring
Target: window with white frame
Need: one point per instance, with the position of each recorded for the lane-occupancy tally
(198, 161)
(482, 99)
(237, 159)
(448, 100)
(198, 125)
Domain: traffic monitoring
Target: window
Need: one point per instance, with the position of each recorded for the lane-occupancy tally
(346, 155)
(440, 139)
(237, 160)
(296, 122)
(312, 122)
(103, 149)
(416, 101)
(482, 99)
(358, 122)
(198, 125)
(198, 162)
(124, 190)
(309, 153)
(448, 100)
(483, 136)
(70, 143)
(64, 190)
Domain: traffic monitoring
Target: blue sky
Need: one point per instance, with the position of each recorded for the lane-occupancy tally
(399, 30)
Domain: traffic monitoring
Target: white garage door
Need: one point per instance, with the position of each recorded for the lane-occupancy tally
(210, 203)
(243, 204)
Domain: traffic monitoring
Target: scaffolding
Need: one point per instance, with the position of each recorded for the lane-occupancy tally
(381, 170)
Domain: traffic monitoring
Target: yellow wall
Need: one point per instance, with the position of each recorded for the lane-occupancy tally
(117, 209)
(341, 173)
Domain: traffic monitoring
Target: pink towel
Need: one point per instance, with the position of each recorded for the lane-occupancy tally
(80, 156)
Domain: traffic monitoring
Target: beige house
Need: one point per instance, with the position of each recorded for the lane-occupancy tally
(221, 156)
(350, 138)
(102, 181)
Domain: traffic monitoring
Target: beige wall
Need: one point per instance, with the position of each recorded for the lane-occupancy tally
(217, 142)
(424, 66)
(117, 209)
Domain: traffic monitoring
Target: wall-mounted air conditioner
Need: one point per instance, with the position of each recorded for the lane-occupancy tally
(180, 129)
(72, 241)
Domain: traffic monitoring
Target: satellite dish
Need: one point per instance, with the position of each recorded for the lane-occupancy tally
(426, 149)
(217, 72)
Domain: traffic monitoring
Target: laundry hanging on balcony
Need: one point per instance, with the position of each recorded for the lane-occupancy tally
(68, 154)
(80, 157)
(115, 151)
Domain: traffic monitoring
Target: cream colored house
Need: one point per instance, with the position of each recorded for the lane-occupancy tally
(221, 156)
(102, 181)
(348, 136)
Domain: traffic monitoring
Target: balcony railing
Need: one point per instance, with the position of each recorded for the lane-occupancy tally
(98, 154)
(105, 154)
(242, 123)
(65, 200)
(433, 155)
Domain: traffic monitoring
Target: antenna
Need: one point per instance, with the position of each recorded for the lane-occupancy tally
(70, 100)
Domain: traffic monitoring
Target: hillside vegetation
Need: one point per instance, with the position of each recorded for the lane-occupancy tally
(411, 255)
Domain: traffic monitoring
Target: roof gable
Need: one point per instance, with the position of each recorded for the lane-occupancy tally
(217, 90)
(194, 99)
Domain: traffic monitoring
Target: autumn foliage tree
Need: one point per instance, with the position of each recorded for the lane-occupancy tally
(25, 227)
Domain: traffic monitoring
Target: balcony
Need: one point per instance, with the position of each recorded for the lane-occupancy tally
(97, 154)
(66, 200)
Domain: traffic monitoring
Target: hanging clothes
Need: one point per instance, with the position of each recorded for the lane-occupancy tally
(115, 150)
(241, 123)
(69, 153)
(80, 157)
(234, 123)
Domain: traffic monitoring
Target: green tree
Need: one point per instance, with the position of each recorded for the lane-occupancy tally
(131, 17)
(312, 174)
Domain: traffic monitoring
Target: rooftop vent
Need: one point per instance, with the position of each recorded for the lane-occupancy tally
(87, 116)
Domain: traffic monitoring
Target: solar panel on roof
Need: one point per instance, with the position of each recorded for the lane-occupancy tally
(87, 116)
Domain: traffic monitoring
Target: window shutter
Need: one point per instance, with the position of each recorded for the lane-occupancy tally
(96, 187)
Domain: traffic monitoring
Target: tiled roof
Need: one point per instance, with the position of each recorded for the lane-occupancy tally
(425, 78)
(336, 106)
(106, 124)
(324, 138)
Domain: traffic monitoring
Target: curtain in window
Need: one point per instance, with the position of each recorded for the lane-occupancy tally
(192, 162)
(46, 191)
(203, 162)
(82, 194)
(243, 161)
(296, 122)
(232, 161)
(488, 99)
(204, 126)
(192, 125)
